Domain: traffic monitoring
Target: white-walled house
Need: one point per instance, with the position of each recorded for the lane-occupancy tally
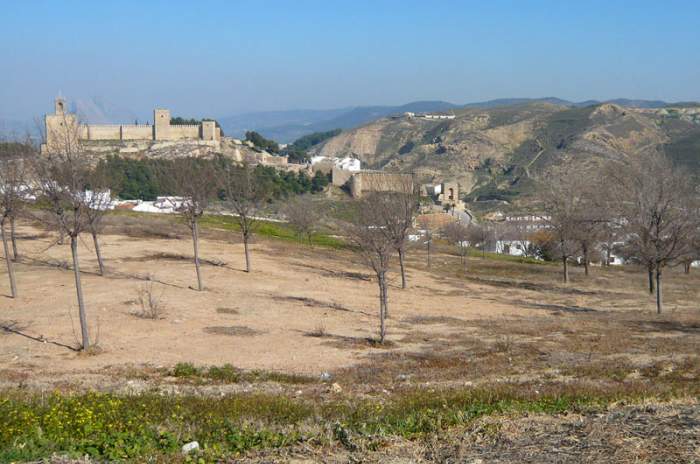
(347, 163)
(512, 247)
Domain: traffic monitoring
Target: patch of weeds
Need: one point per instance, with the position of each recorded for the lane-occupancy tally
(153, 427)
(230, 374)
(431, 320)
(227, 311)
(357, 343)
(226, 373)
(186, 370)
(234, 330)
(318, 332)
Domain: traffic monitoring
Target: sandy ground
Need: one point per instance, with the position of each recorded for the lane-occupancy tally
(269, 301)
(258, 320)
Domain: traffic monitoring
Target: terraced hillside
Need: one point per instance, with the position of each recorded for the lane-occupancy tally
(493, 153)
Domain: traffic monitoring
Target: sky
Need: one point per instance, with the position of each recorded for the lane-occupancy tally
(215, 58)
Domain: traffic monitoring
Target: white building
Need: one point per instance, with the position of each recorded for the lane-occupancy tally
(347, 164)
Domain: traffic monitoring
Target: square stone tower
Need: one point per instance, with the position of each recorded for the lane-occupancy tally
(208, 130)
(161, 124)
(61, 128)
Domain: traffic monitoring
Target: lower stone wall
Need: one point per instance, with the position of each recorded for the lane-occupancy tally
(184, 132)
(136, 132)
(104, 132)
(378, 181)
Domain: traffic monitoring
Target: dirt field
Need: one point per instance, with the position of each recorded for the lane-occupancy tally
(309, 311)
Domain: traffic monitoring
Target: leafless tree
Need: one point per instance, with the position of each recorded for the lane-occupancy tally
(303, 216)
(12, 186)
(401, 205)
(374, 242)
(245, 194)
(98, 200)
(480, 235)
(458, 234)
(518, 233)
(193, 183)
(657, 205)
(426, 226)
(560, 196)
(693, 252)
(18, 153)
(62, 178)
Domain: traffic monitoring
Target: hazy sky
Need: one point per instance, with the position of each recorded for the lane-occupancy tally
(213, 58)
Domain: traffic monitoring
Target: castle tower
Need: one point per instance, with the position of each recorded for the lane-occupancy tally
(208, 130)
(60, 105)
(59, 127)
(161, 124)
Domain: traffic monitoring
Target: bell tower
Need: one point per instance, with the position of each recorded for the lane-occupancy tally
(60, 105)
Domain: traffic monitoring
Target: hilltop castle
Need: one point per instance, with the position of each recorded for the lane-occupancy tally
(62, 124)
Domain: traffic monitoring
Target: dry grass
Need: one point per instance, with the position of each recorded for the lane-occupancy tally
(234, 330)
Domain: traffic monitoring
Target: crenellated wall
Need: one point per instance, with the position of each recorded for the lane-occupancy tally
(379, 181)
(180, 132)
(62, 123)
(136, 132)
(104, 132)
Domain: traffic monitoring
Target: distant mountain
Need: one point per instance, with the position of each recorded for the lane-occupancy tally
(287, 126)
(281, 126)
(558, 101)
(494, 149)
(96, 110)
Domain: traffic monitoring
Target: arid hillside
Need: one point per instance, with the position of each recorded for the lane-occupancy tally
(494, 152)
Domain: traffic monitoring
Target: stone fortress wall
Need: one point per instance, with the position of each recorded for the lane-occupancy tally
(379, 181)
(61, 122)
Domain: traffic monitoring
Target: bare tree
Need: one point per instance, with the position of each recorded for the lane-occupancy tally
(480, 235)
(98, 200)
(193, 182)
(401, 205)
(303, 216)
(12, 185)
(693, 251)
(458, 234)
(375, 243)
(560, 196)
(62, 178)
(245, 194)
(16, 152)
(426, 227)
(657, 208)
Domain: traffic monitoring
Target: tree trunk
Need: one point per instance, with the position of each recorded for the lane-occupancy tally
(403, 268)
(195, 244)
(386, 297)
(10, 267)
(429, 255)
(585, 260)
(650, 272)
(659, 301)
(13, 239)
(382, 306)
(687, 266)
(79, 291)
(609, 253)
(98, 253)
(248, 266)
(565, 262)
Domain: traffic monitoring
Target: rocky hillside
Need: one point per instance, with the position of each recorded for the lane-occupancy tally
(493, 153)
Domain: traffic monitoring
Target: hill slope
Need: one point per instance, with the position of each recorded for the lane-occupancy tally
(493, 152)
